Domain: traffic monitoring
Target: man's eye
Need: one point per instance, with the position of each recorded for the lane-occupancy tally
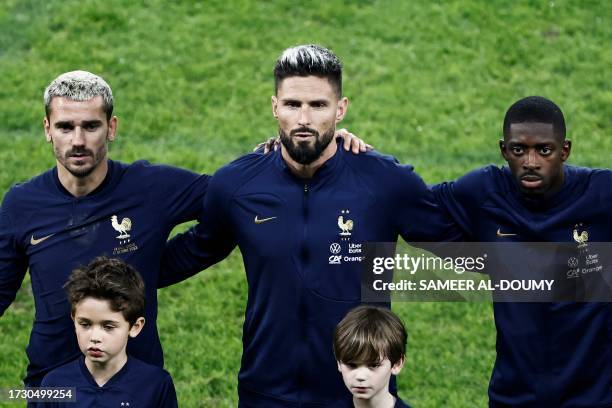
(91, 128)
(517, 150)
(83, 324)
(351, 366)
(65, 129)
(545, 151)
(318, 105)
(108, 328)
(374, 366)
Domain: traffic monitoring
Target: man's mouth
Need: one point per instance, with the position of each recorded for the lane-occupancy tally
(79, 154)
(304, 133)
(360, 390)
(531, 181)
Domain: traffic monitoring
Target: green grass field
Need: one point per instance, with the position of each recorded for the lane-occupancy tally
(429, 82)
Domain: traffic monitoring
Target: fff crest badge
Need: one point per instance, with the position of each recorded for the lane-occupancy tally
(345, 224)
(124, 237)
(581, 236)
(343, 251)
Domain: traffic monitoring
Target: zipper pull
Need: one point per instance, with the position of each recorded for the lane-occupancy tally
(305, 188)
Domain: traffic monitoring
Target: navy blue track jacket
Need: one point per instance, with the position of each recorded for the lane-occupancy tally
(46, 229)
(548, 354)
(300, 242)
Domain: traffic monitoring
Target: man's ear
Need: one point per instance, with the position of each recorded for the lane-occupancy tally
(397, 367)
(339, 366)
(137, 327)
(112, 128)
(47, 127)
(502, 148)
(275, 106)
(566, 149)
(343, 104)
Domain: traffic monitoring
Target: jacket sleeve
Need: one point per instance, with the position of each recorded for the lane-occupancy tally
(457, 198)
(181, 197)
(205, 244)
(182, 194)
(419, 218)
(13, 261)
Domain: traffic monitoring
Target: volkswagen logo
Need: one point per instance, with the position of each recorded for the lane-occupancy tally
(572, 262)
(335, 248)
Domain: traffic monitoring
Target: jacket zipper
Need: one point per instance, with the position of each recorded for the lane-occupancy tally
(302, 306)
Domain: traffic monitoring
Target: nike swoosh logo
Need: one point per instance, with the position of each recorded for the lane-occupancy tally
(262, 220)
(35, 241)
(501, 234)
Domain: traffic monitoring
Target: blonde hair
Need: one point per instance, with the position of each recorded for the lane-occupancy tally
(79, 86)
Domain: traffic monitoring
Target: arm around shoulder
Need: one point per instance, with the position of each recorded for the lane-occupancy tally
(461, 198)
(180, 192)
(205, 244)
(418, 216)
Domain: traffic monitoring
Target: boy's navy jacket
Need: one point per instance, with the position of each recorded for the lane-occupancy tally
(400, 404)
(300, 240)
(548, 354)
(46, 229)
(137, 384)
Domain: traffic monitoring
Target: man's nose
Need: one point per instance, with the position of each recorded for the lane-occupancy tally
(305, 116)
(532, 160)
(78, 139)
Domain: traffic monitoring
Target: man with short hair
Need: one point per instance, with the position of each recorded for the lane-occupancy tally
(300, 217)
(86, 206)
(548, 354)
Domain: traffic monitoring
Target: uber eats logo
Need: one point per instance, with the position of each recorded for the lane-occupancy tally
(353, 253)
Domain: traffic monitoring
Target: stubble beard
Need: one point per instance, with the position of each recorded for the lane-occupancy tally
(81, 171)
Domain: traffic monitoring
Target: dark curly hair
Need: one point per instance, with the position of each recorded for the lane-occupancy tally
(109, 279)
